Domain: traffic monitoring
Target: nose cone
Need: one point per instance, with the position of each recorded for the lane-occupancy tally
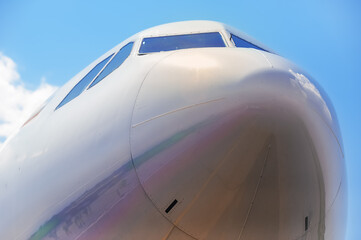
(194, 76)
(196, 84)
(221, 141)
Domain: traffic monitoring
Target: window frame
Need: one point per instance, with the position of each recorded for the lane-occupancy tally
(111, 59)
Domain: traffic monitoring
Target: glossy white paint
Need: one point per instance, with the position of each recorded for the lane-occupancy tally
(245, 141)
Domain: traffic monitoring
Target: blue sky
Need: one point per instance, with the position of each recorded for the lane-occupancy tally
(48, 42)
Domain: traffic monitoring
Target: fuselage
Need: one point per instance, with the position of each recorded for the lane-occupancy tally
(210, 142)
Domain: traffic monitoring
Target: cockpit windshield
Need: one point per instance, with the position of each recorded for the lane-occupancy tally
(175, 42)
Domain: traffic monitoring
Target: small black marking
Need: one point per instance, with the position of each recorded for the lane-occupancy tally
(171, 206)
(306, 223)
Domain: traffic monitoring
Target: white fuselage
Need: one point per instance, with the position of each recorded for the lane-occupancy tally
(200, 143)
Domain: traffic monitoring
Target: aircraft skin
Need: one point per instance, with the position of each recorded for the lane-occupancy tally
(198, 143)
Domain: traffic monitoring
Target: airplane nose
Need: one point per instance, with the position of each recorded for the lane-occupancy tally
(220, 140)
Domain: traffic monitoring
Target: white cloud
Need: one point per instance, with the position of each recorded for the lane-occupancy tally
(16, 102)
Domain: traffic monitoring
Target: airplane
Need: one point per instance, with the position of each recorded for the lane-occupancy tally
(187, 130)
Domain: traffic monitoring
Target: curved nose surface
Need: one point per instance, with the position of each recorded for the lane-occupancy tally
(221, 143)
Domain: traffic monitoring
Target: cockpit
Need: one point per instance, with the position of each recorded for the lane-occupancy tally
(154, 42)
(195, 40)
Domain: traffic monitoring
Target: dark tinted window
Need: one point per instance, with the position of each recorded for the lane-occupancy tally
(169, 43)
(114, 63)
(239, 42)
(83, 83)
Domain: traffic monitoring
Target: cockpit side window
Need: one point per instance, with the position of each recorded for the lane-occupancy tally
(241, 43)
(117, 60)
(99, 72)
(175, 42)
(83, 83)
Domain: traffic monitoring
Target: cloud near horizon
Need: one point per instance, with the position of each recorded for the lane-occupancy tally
(16, 102)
